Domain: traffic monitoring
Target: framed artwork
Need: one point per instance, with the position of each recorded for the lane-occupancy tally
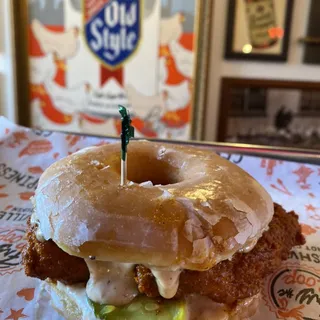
(312, 38)
(270, 112)
(258, 29)
(77, 60)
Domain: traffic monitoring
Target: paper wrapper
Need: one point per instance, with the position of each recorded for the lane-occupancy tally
(292, 292)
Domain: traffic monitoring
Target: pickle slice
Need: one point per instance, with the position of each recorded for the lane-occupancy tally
(142, 308)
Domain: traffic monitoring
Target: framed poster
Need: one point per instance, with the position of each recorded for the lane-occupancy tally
(270, 112)
(312, 38)
(258, 29)
(81, 59)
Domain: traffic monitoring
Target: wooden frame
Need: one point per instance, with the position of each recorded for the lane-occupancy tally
(202, 27)
(228, 83)
(201, 69)
(20, 21)
(231, 54)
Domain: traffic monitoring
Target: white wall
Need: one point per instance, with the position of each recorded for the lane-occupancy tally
(7, 64)
(294, 69)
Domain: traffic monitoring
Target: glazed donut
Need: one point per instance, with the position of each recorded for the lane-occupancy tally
(183, 206)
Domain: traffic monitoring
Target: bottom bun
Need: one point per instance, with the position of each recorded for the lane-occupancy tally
(203, 308)
(72, 303)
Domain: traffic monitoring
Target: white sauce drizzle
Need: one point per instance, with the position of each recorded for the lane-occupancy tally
(111, 283)
(167, 281)
(250, 245)
(39, 235)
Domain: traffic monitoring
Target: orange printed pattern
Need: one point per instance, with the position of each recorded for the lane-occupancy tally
(289, 292)
(36, 147)
(281, 187)
(294, 313)
(56, 155)
(92, 119)
(16, 139)
(73, 140)
(307, 230)
(39, 91)
(172, 119)
(178, 118)
(269, 164)
(3, 195)
(315, 217)
(35, 170)
(16, 314)
(303, 174)
(144, 127)
(174, 76)
(101, 143)
(27, 293)
(310, 207)
(47, 107)
(26, 195)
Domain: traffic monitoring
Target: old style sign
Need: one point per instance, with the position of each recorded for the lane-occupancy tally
(112, 29)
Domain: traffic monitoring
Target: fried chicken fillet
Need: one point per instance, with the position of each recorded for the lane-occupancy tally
(228, 281)
(241, 277)
(46, 260)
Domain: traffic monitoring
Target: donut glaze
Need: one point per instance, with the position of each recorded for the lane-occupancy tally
(183, 207)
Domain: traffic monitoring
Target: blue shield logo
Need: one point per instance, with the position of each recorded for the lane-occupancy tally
(112, 29)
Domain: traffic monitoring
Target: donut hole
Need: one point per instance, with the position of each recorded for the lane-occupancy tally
(158, 171)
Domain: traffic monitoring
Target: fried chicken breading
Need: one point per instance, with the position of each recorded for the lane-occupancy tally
(46, 260)
(243, 276)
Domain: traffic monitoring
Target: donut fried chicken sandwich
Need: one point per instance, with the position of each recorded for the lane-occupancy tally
(189, 236)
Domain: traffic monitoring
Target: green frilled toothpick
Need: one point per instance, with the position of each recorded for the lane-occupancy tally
(127, 132)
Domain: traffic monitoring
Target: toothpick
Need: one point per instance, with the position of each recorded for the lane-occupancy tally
(123, 172)
(127, 132)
